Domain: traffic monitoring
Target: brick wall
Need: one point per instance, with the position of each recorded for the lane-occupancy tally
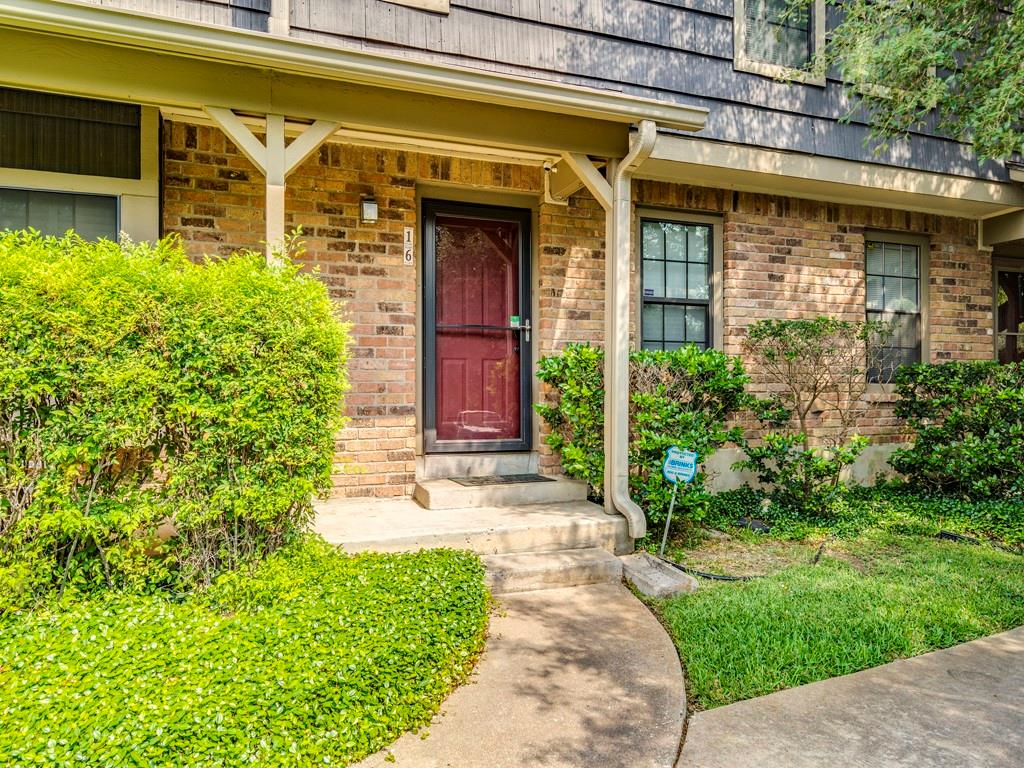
(783, 257)
(214, 200)
(790, 258)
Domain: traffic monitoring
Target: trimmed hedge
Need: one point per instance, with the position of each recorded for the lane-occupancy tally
(968, 422)
(683, 397)
(140, 389)
(313, 657)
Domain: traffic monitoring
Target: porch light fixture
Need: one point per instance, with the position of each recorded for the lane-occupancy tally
(368, 210)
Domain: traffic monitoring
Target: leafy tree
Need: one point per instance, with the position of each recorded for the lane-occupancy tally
(819, 370)
(952, 65)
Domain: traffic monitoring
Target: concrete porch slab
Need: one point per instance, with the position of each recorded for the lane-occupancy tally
(571, 678)
(962, 707)
(402, 525)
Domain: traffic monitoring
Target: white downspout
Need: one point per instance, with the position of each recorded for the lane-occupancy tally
(618, 255)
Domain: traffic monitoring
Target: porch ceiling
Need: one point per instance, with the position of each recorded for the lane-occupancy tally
(87, 68)
(114, 54)
(685, 160)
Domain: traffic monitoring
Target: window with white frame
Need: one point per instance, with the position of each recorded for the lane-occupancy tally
(68, 162)
(676, 276)
(894, 282)
(778, 38)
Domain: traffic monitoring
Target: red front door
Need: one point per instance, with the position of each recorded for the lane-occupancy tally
(478, 316)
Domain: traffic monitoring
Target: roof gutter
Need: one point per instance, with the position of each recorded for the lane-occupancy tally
(287, 54)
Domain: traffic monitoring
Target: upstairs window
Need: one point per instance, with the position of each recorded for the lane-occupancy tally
(776, 39)
(676, 264)
(250, 14)
(895, 281)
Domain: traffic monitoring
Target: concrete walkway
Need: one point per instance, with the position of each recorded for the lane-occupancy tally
(958, 708)
(571, 677)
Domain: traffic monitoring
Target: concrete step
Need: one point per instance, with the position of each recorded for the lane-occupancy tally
(527, 571)
(447, 494)
(401, 525)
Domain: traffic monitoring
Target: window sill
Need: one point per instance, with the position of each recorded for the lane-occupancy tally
(777, 71)
(435, 6)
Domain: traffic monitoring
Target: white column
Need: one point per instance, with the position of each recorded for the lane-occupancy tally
(279, 22)
(275, 172)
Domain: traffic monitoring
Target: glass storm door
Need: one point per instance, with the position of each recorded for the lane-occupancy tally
(1010, 316)
(477, 328)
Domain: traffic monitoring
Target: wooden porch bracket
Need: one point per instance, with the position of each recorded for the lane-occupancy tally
(590, 177)
(274, 158)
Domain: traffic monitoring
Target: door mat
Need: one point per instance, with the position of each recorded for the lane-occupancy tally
(501, 480)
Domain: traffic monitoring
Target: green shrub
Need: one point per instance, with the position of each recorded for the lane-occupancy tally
(821, 368)
(311, 657)
(968, 422)
(683, 397)
(894, 506)
(137, 389)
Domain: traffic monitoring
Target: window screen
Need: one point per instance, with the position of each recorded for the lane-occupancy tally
(778, 33)
(893, 275)
(64, 134)
(676, 265)
(54, 213)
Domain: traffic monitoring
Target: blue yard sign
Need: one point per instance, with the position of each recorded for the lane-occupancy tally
(680, 466)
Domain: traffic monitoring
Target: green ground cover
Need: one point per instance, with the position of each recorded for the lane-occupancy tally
(312, 657)
(871, 598)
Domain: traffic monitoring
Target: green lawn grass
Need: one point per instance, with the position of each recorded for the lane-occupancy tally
(314, 658)
(871, 600)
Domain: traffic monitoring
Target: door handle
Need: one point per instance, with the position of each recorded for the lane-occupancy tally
(525, 328)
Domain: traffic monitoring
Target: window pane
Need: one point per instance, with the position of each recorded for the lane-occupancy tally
(675, 280)
(697, 281)
(675, 242)
(675, 323)
(698, 243)
(905, 331)
(54, 213)
(51, 214)
(1010, 348)
(776, 37)
(654, 278)
(893, 259)
(874, 293)
(95, 217)
(654, 240)
(910, 260)
(13, 209)
(696, 324)
(652, 322)
(1010, 301)
(874, 258)
(908, 295)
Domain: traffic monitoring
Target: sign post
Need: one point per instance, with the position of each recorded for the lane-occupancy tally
(679, 465)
